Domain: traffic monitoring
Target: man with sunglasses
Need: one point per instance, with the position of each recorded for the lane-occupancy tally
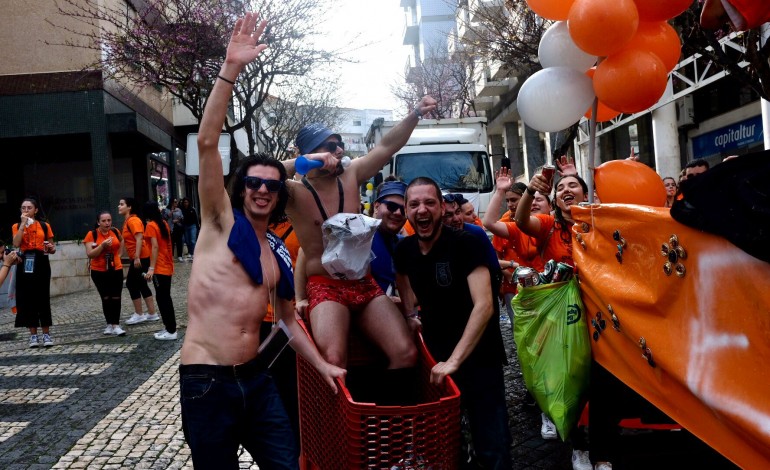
(334, 303)
(389, 208)
(228, 398)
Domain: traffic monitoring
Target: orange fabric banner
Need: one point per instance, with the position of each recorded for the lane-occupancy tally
(693, 322)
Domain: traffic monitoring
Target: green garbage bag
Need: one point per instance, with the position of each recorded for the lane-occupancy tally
(554, 348)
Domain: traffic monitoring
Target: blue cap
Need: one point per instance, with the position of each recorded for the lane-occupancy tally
(391, 188)
(312, 136)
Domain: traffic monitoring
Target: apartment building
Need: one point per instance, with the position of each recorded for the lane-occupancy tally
(705, 113)
(70, 137)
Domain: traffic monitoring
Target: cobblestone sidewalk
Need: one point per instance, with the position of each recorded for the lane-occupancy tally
(93, 401)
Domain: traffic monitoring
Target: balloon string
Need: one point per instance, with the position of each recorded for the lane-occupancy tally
(592, 144)
(591, 150)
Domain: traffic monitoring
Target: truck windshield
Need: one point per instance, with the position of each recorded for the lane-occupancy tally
(467, 172)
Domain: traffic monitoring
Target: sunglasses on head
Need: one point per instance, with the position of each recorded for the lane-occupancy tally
(453, 197)
(255, 182)
(394, 207)
(332, 146)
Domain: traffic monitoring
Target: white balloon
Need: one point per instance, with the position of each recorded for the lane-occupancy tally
(369, 192)
(555, 98)
(558, 50)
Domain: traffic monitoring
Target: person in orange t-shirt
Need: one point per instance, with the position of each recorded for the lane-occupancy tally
(284, 369)
(139, 253)
(157, 234)
(33, 276)
(103, 247)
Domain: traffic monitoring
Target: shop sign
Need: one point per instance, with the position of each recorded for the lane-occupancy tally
(723, 140)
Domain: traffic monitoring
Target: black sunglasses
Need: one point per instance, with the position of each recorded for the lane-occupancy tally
(332, 146)
(255, 182)
(393, 207)
(453, 197)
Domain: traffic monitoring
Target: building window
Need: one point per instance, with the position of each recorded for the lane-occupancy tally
(357, 123)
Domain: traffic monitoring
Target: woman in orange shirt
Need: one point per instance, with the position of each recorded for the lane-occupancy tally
(158, 236)
(139, 253)
(33, 280)
(103, 247)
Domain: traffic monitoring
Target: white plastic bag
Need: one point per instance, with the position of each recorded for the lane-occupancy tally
(348, 245)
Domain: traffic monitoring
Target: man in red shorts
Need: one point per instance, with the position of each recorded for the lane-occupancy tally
(334, 303)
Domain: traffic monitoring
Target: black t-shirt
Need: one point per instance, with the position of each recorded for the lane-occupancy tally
(190, 216)
(439, 279)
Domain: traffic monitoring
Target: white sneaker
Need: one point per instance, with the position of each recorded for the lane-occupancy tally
(136, 318)
(547, 429)
(603, 466)
(165, 335)
(181, 260)
(580, 460)
(153, 317)
(108, 330)
(118, 331)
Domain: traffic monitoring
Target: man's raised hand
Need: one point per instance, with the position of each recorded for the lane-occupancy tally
(243, 47)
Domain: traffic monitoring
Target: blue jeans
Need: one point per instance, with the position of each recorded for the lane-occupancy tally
(190, 237)
(482, 394)
(224, 406)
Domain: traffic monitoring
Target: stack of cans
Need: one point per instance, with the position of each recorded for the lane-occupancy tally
(553, 272)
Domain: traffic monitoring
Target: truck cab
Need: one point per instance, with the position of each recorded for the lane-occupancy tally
(452, 152)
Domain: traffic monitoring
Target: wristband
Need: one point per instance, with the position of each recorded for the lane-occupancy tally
(512, 264)
(530, 191)
(7, 266)
(226, 80)
(417, 112)
(413, 315)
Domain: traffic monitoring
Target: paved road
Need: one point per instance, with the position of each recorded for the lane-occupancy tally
(93, 401)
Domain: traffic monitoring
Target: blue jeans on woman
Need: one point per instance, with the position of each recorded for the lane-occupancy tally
(190, 237)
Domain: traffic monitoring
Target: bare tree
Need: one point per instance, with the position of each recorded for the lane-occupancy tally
(510, 36)
(300, 102)
(179, 45)
(448, 79)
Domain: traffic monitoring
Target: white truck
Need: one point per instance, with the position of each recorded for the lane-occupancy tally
(452, 152)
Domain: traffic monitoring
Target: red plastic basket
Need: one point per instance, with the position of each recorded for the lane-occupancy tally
(339, 433)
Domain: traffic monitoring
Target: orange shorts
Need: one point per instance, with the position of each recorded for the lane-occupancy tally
(352, 294)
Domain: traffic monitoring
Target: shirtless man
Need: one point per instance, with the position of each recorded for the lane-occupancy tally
(334, 303)
(226, 394)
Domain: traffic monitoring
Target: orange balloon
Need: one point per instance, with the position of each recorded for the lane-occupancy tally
(629, 182)
(661, 10)
(603, 112)
(602, 27)
(630, 81)
(551, 9)
(661, 39)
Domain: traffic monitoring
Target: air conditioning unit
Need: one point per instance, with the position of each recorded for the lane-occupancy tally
(685, 112)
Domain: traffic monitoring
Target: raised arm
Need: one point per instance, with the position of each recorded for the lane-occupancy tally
(391, 142)
(490, 220)
(524, 219)
(481, 293)
(241, 50)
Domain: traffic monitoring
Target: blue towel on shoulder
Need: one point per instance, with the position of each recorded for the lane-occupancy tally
(244, 244)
